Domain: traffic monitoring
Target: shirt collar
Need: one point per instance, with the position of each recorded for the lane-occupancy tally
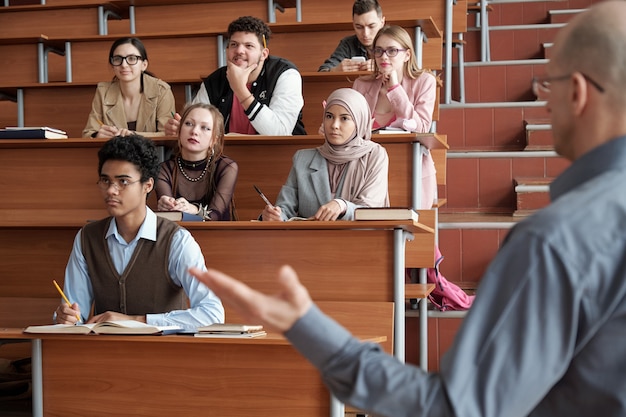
(146, 231)
(607, 157)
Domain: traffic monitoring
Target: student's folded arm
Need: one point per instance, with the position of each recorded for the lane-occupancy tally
(280, 117)
(166, 106)
(418, 104)
(221, 201)
(94, 119)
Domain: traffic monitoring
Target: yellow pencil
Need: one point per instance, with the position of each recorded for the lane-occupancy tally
(264, 42)
(65, 297)
(99, 121)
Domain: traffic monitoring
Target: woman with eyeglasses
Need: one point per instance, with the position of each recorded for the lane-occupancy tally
(134, 101)
(401, 95)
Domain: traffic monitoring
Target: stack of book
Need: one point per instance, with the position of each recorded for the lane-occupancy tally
(32, 133)
(230, 330)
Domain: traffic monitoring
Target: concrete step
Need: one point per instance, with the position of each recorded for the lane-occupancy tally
(564, 15)
(473, 187)
(496, 126)
(510, 42)
(501, 81)
(547, 49)
(469, 241)
(532, 194)
(538, 135)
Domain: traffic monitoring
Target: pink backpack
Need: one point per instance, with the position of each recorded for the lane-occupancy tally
(446, 295)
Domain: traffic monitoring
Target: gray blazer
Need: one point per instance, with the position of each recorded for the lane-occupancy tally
(308, 186)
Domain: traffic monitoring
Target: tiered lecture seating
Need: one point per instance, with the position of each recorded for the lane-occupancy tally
(183, 43)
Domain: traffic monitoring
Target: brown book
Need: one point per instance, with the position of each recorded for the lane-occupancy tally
(385, 213)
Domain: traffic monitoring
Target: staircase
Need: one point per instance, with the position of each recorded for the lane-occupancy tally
(501, 160)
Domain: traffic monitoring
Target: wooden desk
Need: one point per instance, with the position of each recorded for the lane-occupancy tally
(182, 375)
(268, 166)
(66, 170)
(336, 261)
(174, 375)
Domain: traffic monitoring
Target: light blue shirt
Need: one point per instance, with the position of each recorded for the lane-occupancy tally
(205, 306)
(545, 336)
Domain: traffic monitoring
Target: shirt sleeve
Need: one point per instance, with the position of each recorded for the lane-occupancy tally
(202, 96)
(205, 306)
(281, 116)
(226, 180)
(362, 374)
(339, 54)
(95, 116)
(164, 184)
(416, 105)
(165, 107)
(77, 285)
(519, 337)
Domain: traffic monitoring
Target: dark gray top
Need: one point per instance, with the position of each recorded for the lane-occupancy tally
(347, 48)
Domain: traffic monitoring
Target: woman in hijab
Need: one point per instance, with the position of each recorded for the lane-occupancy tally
(347, 172)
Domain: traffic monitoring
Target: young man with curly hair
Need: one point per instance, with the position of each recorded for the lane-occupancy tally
(134, 265)
(256, 93)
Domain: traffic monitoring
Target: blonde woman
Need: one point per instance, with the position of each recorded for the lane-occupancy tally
(199, 179)
(401, 95)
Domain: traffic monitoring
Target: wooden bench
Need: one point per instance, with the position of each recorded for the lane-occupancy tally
(263, 160)
(37, 104)
(62, 105)
(84, 58)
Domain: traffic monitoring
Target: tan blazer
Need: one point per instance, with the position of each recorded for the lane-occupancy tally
(156, 107)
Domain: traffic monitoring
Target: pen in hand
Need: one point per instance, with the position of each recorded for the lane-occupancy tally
(263, 196)
(65, 297)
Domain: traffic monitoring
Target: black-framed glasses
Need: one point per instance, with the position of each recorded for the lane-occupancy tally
(391, 52)
(117, 60)
(105, 183)
(542, 85)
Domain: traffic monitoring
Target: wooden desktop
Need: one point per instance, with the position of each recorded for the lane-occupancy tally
(96, 375)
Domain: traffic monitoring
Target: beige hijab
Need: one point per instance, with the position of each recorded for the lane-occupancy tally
(348, 157)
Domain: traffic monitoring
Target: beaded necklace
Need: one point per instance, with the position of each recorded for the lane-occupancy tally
(187, 177)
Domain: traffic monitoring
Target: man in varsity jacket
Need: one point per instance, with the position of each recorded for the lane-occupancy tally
(257, 93)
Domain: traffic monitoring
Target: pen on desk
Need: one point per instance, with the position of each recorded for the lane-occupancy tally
(64, 297)
(263, 196)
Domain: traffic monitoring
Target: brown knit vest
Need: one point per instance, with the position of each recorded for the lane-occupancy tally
(145, 287)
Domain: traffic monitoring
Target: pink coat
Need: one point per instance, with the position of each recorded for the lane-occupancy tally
(415, 101)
